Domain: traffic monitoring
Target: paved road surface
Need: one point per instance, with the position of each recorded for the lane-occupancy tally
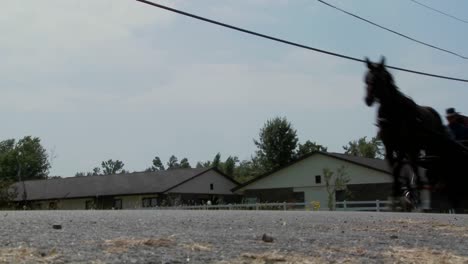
(163, 236)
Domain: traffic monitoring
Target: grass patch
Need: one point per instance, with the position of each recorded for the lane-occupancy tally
(121, 245)
(28, 255)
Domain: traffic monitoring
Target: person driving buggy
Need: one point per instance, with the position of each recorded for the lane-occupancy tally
(457, 124)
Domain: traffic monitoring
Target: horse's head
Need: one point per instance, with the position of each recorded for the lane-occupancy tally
(379, 82)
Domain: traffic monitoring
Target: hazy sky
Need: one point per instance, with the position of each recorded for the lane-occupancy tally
(117, 79)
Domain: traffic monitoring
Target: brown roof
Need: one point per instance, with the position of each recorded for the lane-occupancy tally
(376, 164)
(103, 185)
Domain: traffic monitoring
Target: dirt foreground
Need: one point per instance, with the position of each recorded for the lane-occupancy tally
(161, 236)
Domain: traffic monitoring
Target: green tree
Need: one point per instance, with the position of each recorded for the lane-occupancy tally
(157, 165)
(96, 171)
(230, 165)
(309, 147)
(205, 164)
(247, 170)
(333, 184)
(216, 161)
(363, 148)
(227, 167)
(173, 163)
(277, 143)
(7, 194)
(184, 164)
(33, 158)
(112, 167)
(26, 158)
(8, 160)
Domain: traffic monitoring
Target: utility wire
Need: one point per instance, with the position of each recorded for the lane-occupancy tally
(293, 43)
(440, 12)
(393, 31)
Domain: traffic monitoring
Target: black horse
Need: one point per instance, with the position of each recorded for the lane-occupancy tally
(412, 133)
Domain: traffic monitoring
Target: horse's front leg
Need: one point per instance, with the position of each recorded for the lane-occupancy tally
(415, 183)
(392, 158)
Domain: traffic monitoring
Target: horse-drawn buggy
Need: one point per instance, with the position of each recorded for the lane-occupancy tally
(433, 182)
(425, 160)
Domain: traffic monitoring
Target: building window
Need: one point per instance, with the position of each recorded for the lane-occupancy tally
(340, 195)
(211, 186)
(89, 205)
(318, 179)
(299, 197)
(117, 204)
(52, 205)
(250, 200)
(150, 202)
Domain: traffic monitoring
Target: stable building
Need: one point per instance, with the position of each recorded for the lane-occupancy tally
(129, 190)
(303, 181)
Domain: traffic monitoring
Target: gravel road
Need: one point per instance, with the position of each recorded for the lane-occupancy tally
(166, 236)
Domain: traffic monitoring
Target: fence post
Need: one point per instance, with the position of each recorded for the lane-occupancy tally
(378, 206)
(284, 206)
(256, 206)
(344, 205)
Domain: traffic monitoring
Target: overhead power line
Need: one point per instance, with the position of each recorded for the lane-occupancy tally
(293, 43)
(393, 31)
(440, 12)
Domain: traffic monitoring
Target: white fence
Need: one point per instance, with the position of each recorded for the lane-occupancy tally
(254, 206)
(363, 205)
(376, 206)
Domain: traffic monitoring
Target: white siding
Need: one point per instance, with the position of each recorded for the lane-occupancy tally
(301, 177)
(318, 194)
(69, 204)
(128, 202)
(302, 174)
(201, 184)
(134, 201)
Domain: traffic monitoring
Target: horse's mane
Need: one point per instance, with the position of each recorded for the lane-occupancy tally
(407, 104)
